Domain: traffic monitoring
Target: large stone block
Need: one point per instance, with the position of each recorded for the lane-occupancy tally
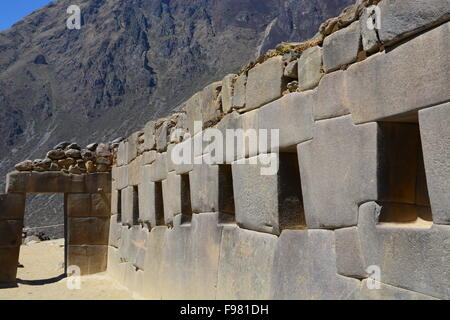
(130, 207)
(310, 68)
(414, 259)
(243, 253)
(11, 233)
(115, 267)
(292, 116)
(155, 267)
(204, 183)
(400, 19)
(131, 147)
(305, 268)
(255, 197)
(140, 242)
(338, 172)
(210, 104)
(149, 157)
(162, 136)
(90, 259)
(88, 231)
(328, 101)
(349, 258)
(147, 199)
(150, 136)
(45, 182)
(435, 132)
(194, 113)
(342, 47)
(9, 258)
(239, 94)
(122, 154)
(94, 183)
(115, 232)
(158, 171)
(268, 202)
(134, 171)
(365, 80)
(122, 177)
(172, 197)
(265, 83)
(88, 205)
(191, 259)
(128, 249)
(227, 92)
(12, 206)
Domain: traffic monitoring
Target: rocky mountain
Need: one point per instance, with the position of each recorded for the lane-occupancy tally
(131, 61)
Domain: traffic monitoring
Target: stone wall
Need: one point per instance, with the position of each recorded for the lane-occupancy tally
(360, 197)
(363, 179)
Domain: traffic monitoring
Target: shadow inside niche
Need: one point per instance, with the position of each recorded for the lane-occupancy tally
(41, 282)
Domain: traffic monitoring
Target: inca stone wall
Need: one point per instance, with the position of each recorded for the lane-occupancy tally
(363, 183)
(358, 207)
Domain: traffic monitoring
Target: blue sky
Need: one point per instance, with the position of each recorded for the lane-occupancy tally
(12, 11)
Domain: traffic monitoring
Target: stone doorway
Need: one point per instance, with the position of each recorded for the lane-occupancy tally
(87, 214)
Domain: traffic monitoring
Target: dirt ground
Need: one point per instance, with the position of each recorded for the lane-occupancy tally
(42, 278)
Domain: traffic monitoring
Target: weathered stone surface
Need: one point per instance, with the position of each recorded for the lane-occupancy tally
(26, 165)
(292, 116)
(435, 132)
(310, 68)
(149, 157)
(204, 183)
(134, 171)
(131, 147)
(305, 268)
(158, 170)
(162, 136)
(400, 19)
(265, 83)
(329, 100)
(239, 94)
(155, 267)
(415, 259)
(182, 156)
(9, 258)
(346, 155)
(12, 206)
(88, 231)
(11, 233)
(172, 197)
(192, 250)
(79, 205)
(242, 253)
(150, 136)
(122, 154)
(51, 182)
(147, 199)
(210, 105)
(128, 249)
(365, 80)
(342, 47)
(169, 158)
(90, 259)
(115, 266)
(140, 242)
(256, 196)
(349, 258)
(101, 205)
(122, 178)
(387, 292)
(128, 206)
(291, 70)
(370, 38)
(227, 92)
(115, 232)
(194, 113)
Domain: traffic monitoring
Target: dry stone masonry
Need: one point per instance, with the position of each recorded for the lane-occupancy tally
(362, 180)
